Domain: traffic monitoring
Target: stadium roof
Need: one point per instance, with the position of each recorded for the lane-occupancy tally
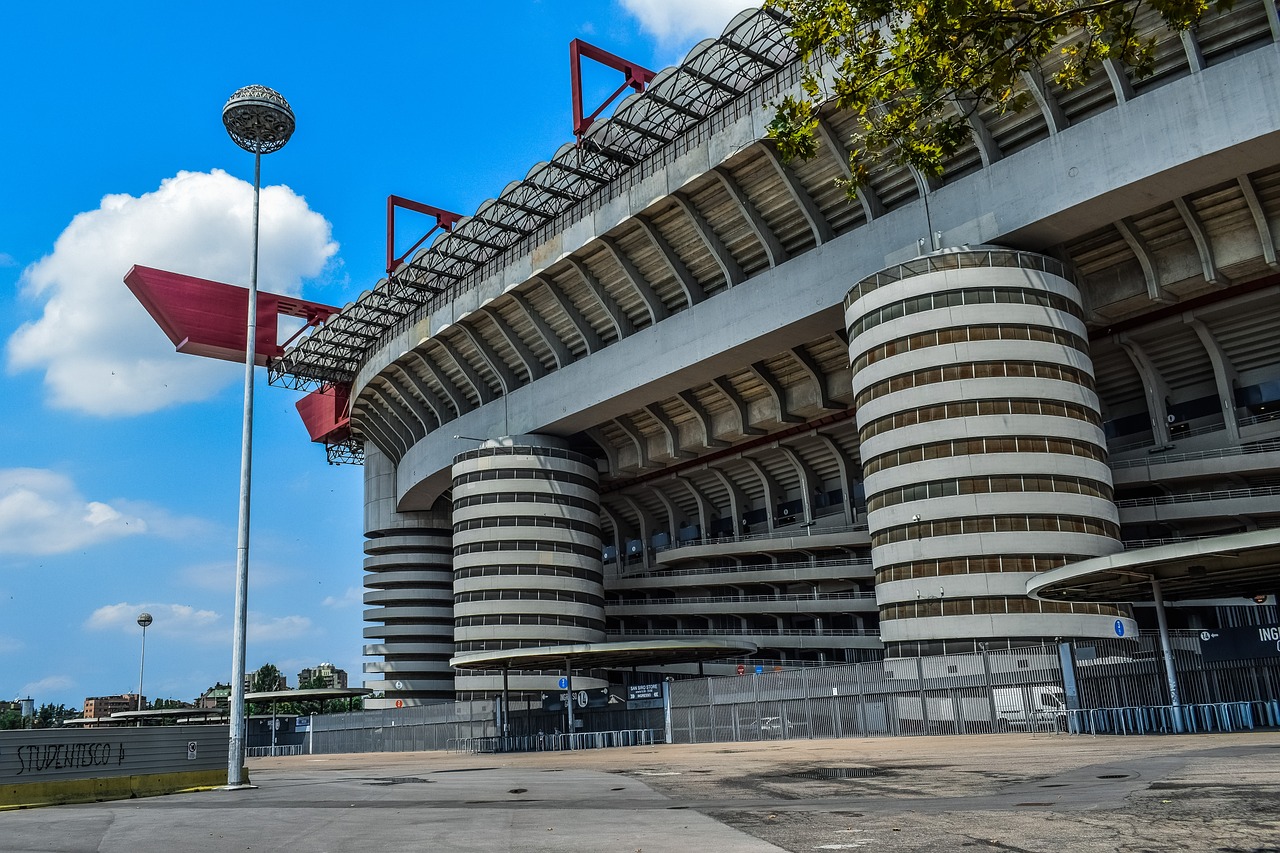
(754, 46)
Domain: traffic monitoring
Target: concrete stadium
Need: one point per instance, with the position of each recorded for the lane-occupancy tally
(668, 386)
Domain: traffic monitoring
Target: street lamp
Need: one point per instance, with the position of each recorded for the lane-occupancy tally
(144, 619)
(260, 121)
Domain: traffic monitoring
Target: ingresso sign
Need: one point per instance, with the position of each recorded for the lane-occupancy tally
(1255, 641)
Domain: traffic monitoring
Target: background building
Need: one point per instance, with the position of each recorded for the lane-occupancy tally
(105, 706)
(330, 675)
(1095, 367)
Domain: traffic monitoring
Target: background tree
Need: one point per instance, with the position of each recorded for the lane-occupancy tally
(49, 716)
(912, 71)
(11, 719)
(267, 677)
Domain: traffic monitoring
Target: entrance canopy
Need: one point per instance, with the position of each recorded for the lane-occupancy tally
(1240, 564)
(605, 655)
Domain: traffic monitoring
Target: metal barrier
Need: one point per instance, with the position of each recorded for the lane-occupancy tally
(556, 742)
(268, 751)
(1174, 719)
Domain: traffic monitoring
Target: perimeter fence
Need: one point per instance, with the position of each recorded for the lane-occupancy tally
(1086, 686)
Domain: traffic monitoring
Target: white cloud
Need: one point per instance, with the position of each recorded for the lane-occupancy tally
(100, 351)
(42, 512)
(676, 20)
(352, 597)
(264, 629)
(7, 260)
(174, 620)
(184, 622)
(9, 644)
(48, 684)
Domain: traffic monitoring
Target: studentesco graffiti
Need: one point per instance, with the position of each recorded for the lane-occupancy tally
(36, 758)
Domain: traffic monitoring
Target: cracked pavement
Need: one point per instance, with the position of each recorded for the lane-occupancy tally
(1019, 793)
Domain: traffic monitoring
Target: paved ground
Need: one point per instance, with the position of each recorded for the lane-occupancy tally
(1018, 793)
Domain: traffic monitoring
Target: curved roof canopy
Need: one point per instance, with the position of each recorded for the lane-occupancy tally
(318, 694)
(604, 655)
(1240, 564)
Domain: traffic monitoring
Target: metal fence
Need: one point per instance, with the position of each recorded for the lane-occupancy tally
(1022, 689)
(413, 729)
(1119, 686)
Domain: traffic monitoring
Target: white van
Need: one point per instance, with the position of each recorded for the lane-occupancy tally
(1031, 706)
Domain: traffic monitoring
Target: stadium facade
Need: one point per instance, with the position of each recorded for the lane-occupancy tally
(670, 386)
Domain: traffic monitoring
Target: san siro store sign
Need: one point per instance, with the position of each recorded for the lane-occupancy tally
(1254, 641)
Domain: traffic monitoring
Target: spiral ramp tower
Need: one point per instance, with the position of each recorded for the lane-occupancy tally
(982, 447)
(526, 556)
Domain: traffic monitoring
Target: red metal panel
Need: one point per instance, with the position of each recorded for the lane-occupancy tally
(208, 318)
(325, 413)
(637, 77)
(445, 220)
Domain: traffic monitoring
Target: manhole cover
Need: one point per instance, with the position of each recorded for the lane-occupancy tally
(838, 773)
(400, 780)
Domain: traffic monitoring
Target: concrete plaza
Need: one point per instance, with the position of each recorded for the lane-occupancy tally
(1000, 792)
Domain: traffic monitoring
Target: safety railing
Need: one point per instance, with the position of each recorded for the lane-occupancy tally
(734, 599)
(747, 632)
(1218, 453)
(789, 531)
(773, 567)
(1197, 497)
(272, 751)
(556, 741)
(1174, 719)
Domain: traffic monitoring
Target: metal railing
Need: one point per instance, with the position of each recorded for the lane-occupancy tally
(734, 599)
(1166, 458)
(956, 259)
(789, 531)
(556, 742)
(272, 751)
(775, 567)
(1196, 497)
(1134, 544)
(747, 632)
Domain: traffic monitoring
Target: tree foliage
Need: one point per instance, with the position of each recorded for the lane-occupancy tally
(912, 71)
(266, 678)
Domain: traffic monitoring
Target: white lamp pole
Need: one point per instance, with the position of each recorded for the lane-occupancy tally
(260, 121)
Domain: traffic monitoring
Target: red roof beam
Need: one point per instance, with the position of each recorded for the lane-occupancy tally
(637, 77)
(209, 318)
(445, 220)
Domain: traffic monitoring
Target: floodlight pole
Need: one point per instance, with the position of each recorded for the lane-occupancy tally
(144, 619)
(260, 121)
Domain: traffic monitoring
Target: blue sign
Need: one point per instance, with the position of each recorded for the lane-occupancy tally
(759, 669)
(564, 682)
(1119, 628)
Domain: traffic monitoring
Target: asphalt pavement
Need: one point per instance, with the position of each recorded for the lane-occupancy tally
(1016, 792)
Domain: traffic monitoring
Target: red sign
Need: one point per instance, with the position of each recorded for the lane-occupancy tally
(742, 670)
(399, 703)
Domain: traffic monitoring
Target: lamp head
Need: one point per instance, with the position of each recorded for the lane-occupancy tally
(258, 119)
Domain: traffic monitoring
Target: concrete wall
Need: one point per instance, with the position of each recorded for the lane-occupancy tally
(50, 766)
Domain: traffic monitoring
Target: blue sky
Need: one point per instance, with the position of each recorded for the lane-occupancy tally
(119, 457)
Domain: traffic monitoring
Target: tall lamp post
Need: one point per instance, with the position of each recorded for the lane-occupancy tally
(260, 121)
(144, 620)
